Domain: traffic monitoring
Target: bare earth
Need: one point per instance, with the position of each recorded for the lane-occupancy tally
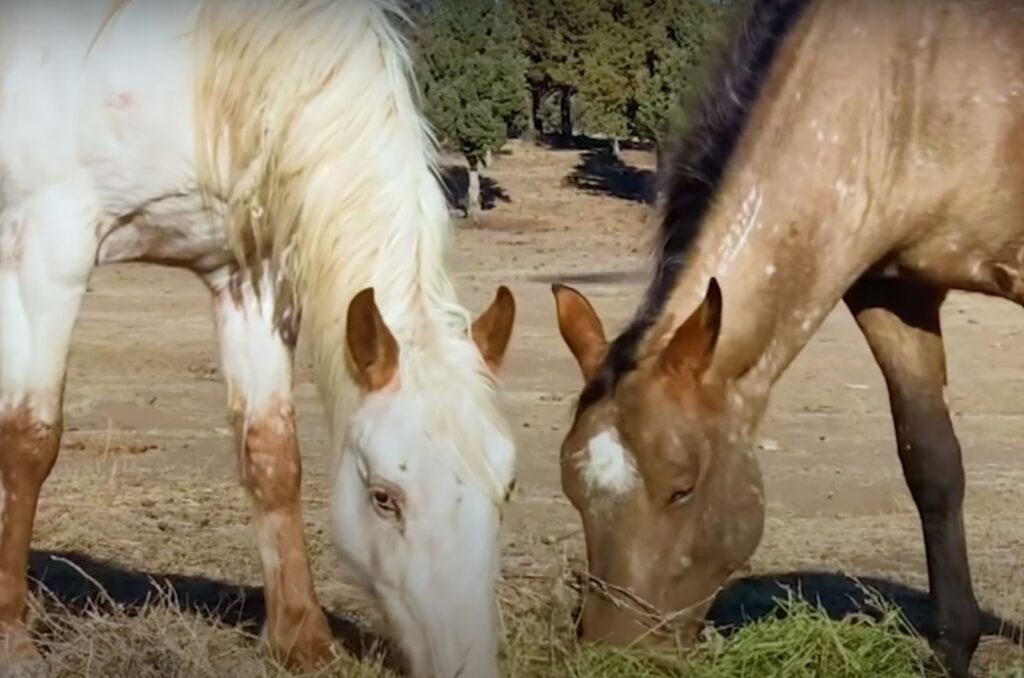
(146, 479)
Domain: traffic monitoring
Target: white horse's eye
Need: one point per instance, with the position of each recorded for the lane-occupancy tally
(387, 502)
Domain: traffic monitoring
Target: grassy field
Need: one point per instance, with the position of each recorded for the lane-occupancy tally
(158, 640)
(145, 489)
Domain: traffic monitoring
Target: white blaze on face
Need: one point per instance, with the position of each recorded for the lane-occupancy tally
(433, 570)
(608, 465)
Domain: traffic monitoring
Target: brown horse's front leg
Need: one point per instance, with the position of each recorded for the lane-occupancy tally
(900, 320)
(257, 365)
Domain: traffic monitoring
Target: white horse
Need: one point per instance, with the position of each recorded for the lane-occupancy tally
(276, 149)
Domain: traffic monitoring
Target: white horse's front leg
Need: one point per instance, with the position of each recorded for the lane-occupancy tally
(47, 249)
(257, 342)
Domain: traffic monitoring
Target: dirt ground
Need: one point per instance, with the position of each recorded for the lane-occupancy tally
(146, 480)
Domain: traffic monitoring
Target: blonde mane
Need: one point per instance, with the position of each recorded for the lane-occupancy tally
(312, 143)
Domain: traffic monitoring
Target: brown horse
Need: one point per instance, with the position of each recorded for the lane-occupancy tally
(870, 151)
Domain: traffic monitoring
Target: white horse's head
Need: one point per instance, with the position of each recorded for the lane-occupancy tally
(426, 467)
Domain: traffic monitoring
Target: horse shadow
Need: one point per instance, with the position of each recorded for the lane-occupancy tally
(455, 180)
(601, 172)
(81, 584)
(754, 598)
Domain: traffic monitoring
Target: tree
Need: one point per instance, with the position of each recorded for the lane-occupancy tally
(676, 46)
(640, 62)
(557, 35)
(474, 80)
(611, 66)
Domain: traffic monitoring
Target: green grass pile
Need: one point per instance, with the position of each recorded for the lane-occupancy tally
(802, 643)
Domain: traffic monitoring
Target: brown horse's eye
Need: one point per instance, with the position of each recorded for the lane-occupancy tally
(680, 496)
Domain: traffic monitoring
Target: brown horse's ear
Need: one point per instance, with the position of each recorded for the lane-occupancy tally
(693, 344)
(371, 345)
(581, 329)
(493, 329)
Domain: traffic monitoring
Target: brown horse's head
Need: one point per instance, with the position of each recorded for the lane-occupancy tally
(671, 499)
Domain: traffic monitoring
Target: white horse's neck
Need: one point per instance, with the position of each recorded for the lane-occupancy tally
(329, 170)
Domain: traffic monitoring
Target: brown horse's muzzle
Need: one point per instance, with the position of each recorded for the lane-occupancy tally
(620, 618)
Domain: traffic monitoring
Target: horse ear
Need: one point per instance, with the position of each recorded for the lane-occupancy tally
(581, 329)
(493, 329)
(690, 350)
(371, 345)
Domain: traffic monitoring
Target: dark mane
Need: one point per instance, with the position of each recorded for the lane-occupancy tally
(695, 169)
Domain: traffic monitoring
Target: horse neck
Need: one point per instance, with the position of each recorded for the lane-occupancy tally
(783, 258)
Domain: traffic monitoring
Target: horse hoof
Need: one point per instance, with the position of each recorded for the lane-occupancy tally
(19, 657)
(310, 645)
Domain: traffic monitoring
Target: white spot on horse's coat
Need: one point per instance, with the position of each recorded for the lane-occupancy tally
(805, 326)
(608, 465)
(255, 361)
(267, 533)
(769, 270)
(747, 221)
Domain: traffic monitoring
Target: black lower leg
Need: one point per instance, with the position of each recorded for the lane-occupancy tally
(930, 455)
(901, 323)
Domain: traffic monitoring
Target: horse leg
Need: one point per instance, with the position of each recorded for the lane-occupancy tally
(47, 250)
(256, 357)
(900, 320)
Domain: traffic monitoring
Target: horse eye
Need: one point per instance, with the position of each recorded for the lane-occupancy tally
(680, 496)
(385, 504)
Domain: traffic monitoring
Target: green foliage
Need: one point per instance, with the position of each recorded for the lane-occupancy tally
(677, 44)
(610, 71)
(557, 35)
(473, 74)
(801, 643)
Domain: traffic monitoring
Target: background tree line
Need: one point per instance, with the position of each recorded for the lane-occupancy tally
(492, 70)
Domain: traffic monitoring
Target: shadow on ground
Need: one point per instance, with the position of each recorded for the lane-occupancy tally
(83, 583)
(456, 186)
(579, 142)
(757, 597)
(595, 278)
(60, 575)
(601, 172)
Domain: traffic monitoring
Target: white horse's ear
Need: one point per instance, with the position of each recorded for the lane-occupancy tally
(493, 329)
(371, 345)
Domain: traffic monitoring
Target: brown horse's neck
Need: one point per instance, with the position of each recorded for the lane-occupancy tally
(779, 278)
(792, 227)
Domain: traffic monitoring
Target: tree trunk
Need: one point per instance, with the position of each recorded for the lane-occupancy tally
(566, 102)
(473, 194)
(536, 121)
(488, 158)
(659, 171)
(616, 151)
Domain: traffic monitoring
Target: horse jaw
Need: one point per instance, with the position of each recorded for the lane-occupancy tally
(433, 564)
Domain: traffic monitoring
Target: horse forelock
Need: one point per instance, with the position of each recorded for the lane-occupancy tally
(310, 134)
